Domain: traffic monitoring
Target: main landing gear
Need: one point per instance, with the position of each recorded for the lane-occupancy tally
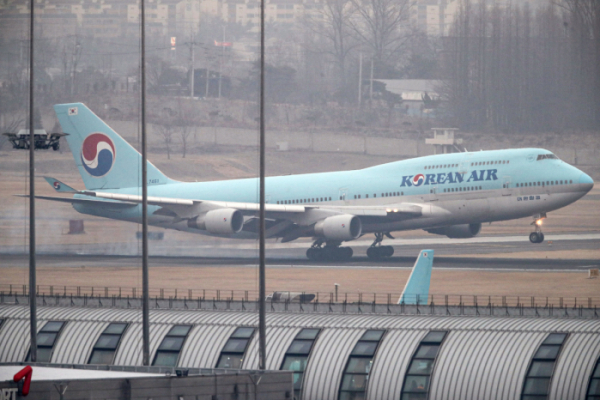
(330, 252)
(538, 235)
(377, 251)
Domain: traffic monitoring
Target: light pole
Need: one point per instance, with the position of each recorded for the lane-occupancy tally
(32, 272)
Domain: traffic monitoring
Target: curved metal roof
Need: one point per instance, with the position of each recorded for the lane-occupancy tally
(481, 357)
(393, 357)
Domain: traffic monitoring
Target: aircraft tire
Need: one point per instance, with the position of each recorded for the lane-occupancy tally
(541, 237)
(345, 253)
(377, 253)
(374, 253)
(312, 254)
(388, 251)
(535, 237)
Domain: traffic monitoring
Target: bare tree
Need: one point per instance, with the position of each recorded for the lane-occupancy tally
(165, 127)
(185, 129)
(383, 28)
(70, 57)
(332, 33)
(512, 69)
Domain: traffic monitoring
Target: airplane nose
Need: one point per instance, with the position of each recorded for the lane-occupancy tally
(586, 181)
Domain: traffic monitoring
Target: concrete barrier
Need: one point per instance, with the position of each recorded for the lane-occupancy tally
(334, 143)
(391, 147)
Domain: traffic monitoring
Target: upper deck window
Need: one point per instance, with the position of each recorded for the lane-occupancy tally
(546, 156)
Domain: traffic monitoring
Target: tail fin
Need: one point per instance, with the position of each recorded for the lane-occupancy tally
(105, 160)
(417, 287)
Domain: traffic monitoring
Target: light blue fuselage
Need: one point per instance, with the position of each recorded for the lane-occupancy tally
(468, 187)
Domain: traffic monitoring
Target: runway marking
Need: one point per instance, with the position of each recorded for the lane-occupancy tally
(434, 241)
(574, 269)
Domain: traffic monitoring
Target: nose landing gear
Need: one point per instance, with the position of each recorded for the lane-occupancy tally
(330, 252)
(377, 251)
(538, 235)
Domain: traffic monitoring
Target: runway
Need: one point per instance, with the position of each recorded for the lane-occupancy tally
(477, 253)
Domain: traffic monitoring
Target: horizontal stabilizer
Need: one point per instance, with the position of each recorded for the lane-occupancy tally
(416, 290)
(91, 202)
(59, 186)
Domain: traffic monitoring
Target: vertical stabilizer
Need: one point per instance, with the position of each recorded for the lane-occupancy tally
(417, 287)
(105, 160)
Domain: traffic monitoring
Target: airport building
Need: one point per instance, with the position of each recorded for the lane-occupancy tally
(354, 352)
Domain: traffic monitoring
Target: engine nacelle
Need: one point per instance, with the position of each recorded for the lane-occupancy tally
(339, 227)
(220, 221)
(458, 231)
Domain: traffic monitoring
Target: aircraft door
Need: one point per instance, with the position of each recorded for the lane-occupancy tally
(342, 195)
(433, 194)
(506, 186)
(465, 164)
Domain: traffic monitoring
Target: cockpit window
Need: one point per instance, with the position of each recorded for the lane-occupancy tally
(546, 156)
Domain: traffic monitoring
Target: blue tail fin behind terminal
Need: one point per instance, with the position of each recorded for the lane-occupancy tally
(417, 287)
(105, 160)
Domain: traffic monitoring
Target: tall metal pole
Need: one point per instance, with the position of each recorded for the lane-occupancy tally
(360, 79)
(371, 86)
(32, 277)
(221, 61)
(145, 299)
(262, 348)
(192, 73)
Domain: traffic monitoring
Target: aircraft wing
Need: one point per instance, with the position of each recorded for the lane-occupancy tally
(187, 208)
(288, 221)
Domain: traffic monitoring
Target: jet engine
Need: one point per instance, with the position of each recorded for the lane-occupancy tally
(339, 227)
(458, 231)
(219, 221)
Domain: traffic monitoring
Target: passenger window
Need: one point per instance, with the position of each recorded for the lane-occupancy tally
(366, 196)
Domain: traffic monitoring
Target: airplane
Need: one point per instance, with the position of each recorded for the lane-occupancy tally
(446, 194)
(416, 290)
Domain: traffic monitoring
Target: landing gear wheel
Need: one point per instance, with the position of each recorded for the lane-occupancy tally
(536, 237)
(388, 252)
(346, 253)
(329, 253)
(379, 252)
(373, 253)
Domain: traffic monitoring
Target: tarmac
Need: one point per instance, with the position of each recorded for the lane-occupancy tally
(476, 253)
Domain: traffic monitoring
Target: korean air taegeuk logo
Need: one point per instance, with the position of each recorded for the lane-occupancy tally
(98, 154)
